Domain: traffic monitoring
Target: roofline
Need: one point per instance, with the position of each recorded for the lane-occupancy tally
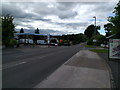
(30, 34)
(110, 36)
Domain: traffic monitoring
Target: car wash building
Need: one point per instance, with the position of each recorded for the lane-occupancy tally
(33, 38)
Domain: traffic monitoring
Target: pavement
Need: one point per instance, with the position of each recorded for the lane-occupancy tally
(115, 68)
(86, 69)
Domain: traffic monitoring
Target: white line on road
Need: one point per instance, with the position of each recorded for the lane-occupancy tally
(20, 63)
(12, 65)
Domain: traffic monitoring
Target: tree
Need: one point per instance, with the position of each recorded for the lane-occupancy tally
(7, 29)
(108, 27)
(97, 28)
(100, 39)
(89, 32)
(115, 20)
(21, 31)
(36, 37)
(37, 31)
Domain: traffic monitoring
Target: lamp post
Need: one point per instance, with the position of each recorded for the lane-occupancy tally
(94, 40)
(95, 26)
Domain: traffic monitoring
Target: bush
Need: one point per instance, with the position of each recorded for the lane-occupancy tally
(90, 42)
(12, 42)
(89, 46)
(100, 39)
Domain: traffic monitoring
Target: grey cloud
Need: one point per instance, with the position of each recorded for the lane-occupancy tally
(103, 7)
(67, 14)
(49, 31)
(74, 24)
(44, 31)
(65, 10)
(98, 9)
(78, 24)
(11, 9)
(15, 10)
(62, 10)
(66, 5)
(41, 19)
(39, 9)
(20, 20)
(26, 20)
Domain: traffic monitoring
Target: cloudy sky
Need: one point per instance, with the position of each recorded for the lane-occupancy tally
(58, 17)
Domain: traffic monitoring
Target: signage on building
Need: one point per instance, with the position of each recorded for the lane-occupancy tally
(114, 48)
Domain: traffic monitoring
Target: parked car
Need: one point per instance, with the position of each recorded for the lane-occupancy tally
(66, 44)
(54, 44)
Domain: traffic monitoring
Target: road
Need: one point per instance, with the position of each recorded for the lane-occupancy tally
(25, 67)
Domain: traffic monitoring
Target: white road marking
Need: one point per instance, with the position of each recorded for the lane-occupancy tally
(20, 63)
(12, 65)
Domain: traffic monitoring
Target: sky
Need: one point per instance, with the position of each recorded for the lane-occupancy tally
(58, 18)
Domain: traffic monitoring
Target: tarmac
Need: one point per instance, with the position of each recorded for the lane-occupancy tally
(86, 69)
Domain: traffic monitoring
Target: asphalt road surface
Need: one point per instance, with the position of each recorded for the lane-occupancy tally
(27, 66)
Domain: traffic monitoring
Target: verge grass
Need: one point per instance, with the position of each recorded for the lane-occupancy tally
(89, 46)
(100, 50)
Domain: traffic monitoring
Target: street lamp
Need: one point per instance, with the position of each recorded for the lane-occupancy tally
(95, 26)
(94, 40)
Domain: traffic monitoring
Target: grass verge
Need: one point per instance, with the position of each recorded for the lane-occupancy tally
(89, 46)
(100, 50)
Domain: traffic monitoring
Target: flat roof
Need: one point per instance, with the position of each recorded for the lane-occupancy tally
(31, 34)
